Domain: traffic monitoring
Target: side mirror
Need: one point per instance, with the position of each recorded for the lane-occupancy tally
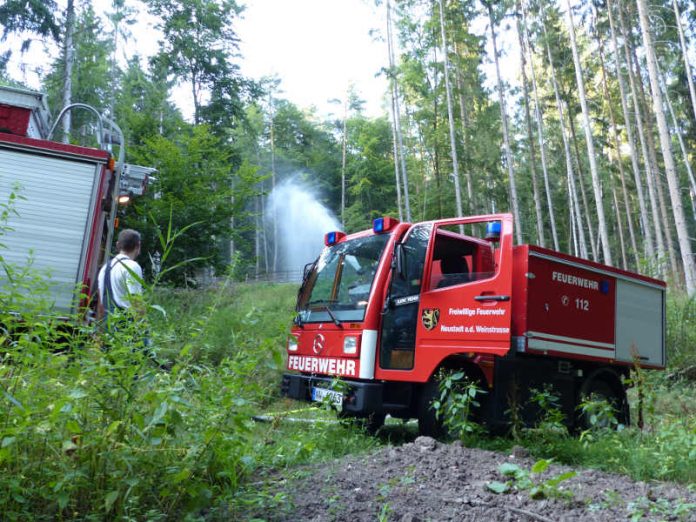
(400, 260)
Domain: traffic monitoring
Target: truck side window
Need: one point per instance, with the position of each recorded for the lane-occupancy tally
(459, 258)
(414, 249)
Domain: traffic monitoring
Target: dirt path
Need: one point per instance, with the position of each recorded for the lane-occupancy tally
(426, 480)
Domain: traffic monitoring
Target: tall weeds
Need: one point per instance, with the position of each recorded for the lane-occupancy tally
(99, 430)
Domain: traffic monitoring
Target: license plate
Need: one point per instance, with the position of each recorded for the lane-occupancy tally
(322, 395)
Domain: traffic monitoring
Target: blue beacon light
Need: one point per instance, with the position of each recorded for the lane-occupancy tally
(493, 229)
(383, 224)
(331, 238)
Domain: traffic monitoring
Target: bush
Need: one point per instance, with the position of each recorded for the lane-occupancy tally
(681, 331)
(105, 432)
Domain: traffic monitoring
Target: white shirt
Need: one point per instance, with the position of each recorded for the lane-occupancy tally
(123, 282)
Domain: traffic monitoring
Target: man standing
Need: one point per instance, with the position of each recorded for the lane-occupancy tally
(120, 278)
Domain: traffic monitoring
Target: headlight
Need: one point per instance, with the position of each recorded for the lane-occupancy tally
(292, 343)
(350, 345)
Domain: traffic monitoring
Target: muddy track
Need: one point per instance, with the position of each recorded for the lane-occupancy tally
(427, 480)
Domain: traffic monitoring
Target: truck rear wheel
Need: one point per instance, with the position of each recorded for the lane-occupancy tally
(614, 395)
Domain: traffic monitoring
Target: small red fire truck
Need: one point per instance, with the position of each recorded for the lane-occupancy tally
(58, 201)
(385, 309)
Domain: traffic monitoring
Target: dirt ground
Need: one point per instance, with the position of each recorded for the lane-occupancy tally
(427, 480)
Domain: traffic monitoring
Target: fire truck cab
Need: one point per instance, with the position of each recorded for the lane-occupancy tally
(384, 310)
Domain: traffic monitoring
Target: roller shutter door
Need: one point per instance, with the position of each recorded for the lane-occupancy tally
(53, 217)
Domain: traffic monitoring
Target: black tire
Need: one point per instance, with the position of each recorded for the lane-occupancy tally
(372, 423)
(602, 390)
(428, 422)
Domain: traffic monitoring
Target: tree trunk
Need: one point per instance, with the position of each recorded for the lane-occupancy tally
(645, 220)
(679, 218)
(657, 179)
(581, 244)
(464, 116)
(581, 181)
(399, 204)
(685, 55)
(450, 115)
(596, 183)
(436, 148)
(619, 162)
(273, 185)
(647, 164)
(397, 116)
(264, 221)
(659, 186)
(619, 227)
(682, 146)
(506, 137)
(343, 163)
(540, 132)
(68, 61)
(530, 137)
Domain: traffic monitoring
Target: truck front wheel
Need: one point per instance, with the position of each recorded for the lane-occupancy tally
(371, 423)
(428, 422)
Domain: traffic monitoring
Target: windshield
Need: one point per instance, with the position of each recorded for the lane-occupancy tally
(339, 283)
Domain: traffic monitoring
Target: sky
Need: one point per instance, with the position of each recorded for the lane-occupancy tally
(318, 48)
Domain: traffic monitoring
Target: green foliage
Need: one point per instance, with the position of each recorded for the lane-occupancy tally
(552, 421)
(195, 184)
(215, 323)
(198, 42)
(664, 450)
(34, 16)
(521, 479)
(600, 414)
(143, 110)
(455, 405)
(105, 431)
(98, 428)
(644, 507)
(370, 172)
(681, 331)
(92, 81)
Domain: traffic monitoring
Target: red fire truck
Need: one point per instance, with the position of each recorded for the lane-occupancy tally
(385, 309)
(59, 200)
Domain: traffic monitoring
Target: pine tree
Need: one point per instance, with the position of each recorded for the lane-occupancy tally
(689, 265)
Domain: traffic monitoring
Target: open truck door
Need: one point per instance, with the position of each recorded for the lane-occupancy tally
(465, 304)
(450, 293)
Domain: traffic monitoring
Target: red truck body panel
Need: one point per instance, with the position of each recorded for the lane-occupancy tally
(14, 120)
(569, 307)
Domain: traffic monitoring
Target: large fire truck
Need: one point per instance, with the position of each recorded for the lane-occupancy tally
(58, 201)
(384, 310)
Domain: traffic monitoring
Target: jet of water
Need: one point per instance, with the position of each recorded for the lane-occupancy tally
(301, 222)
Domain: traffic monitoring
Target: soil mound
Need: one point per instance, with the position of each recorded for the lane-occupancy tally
(427, 480)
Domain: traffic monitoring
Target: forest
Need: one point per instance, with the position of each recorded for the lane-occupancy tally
(591, 146)
(578, 118)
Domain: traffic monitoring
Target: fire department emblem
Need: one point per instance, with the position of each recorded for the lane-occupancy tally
(430, 317)
(318, 344)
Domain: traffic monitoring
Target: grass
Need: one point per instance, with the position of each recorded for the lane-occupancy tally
(102, 431)
(99, 433)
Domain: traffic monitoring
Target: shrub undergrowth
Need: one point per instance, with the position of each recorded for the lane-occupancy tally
(98, 427)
